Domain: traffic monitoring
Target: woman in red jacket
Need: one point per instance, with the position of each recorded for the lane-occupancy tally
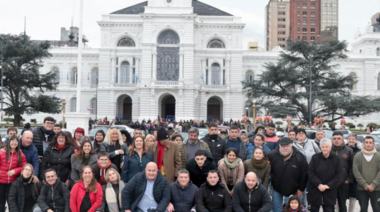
(86, 194)
(11, 162)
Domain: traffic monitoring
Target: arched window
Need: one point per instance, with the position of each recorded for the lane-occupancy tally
(126, 42)
(168, 37)
(93, 106)
(94, 76)
(168, 56)
(73, 104)
(355, 78)
(74, 76)
(249, 77)
(125, 72)
(55, 70)
(215, 74)
(378, 52)
(216, 44)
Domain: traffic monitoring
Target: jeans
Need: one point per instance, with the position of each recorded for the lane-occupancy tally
(4, 191)
(365, 196)
(139, 210)
(326, 208)
(278, 201)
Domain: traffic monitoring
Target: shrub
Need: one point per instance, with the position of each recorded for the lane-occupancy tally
(360, 126)
(350, 125)
(279, 123)
(33, 121)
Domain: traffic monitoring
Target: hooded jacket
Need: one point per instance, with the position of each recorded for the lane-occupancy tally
(17, 194)
(52, 197)
(217, 147)
(198, 176)
(271, 140)
(255, 200)
(183, 198)
(11, 164)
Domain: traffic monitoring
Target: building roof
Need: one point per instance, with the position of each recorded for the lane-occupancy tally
(200, 8)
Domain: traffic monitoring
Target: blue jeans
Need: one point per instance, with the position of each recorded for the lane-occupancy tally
(279, 200)
(139, 210)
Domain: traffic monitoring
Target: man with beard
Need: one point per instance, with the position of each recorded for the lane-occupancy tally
(191, 145)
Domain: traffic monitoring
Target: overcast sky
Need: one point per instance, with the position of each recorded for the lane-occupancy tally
(46, 17)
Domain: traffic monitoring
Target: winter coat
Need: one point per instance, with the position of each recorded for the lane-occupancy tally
(31, 155)
(171, 159)
(346, 156)
(289, 176)
(134, 164)
(324, 171)
(272, 141)
(59, 161)
(243, 149)
(40, 140)
(263, 174)
(77, 165)
(220, 200)
(198, 176)
(16, 198)
(96, 147)
(134, 190)
(183, 199)
(257, 200)
(310, 148)
(9, 165)
(352, 186)
(183, 149)
(79, 191)
(217, 147)
(96, 170)
(237, 172)
(105, 147)
(55, 197)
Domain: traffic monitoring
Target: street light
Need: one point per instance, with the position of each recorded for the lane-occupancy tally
(254, 113)
(311, 74)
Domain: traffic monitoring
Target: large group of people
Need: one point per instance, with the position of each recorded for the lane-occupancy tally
(50, 170)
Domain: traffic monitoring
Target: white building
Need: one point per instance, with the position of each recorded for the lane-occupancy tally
(182, 59)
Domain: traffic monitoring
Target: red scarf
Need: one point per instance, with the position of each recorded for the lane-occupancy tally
(160, 155)
(103, 173)
(60, 147)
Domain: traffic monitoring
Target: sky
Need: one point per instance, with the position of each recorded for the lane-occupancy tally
(44, 18)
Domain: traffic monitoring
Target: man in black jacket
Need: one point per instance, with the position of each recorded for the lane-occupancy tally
(251, 195)
(148, 190)
(199, 166)
(289, 173)
(54, 196)
(216, 144)
(42, 136)
(346, 156)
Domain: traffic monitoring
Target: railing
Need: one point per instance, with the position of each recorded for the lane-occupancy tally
(166, 83)
(215, 86)
(124, 85)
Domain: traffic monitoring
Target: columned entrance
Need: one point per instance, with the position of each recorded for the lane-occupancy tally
(214, 109)
(124, 107)
(167, 110)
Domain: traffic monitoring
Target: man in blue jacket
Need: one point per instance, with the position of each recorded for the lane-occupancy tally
(147, 191)
(30, 152)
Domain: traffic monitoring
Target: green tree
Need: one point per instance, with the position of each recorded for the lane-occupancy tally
(284, 86)
(24, 86)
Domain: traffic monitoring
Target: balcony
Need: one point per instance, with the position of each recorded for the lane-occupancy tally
(216, 87)
(124, 85)
(166, 83)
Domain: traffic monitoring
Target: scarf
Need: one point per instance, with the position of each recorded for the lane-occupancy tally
(160, 155)
(259, 164)
(103, 172)
(60, 147)
(229, 164)
(111, 198)
(368, 153)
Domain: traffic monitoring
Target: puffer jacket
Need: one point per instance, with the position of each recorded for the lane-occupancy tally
(134, 164)
(17, 194)
(52, 197)
(79, 191)
(9, 165)
(256, 199)
(219, 200)
(183, 198)
(237, 172)
(39, 139)
(217, 147)
(31, 155)
(198, 176)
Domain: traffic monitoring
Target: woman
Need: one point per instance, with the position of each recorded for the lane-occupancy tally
(259, 141)
(231, 169)
(87, 194)
(112, 192)
(259, 130)
(78, 133)
(259, 165)
(150, 139)
(127, 138)
(137, 158)
(177, 138)
(58, 157)
(84, 157)
(352, 140)
(113, 144)
(11, 162)
(98, 140)
(248, 145)
(325, 175)
(24, 192)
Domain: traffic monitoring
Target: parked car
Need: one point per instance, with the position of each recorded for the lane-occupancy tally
(92, 132)
(376, 132)
(310, 134)
(344, 132)
(202, 132)
(184, 135)
(375, 137)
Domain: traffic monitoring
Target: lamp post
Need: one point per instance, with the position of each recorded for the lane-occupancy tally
(310, 84)
(63, 112)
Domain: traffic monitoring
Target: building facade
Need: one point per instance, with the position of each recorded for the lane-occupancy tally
(329, 19)
(277, 23)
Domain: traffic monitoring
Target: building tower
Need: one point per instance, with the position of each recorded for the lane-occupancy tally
(277, 23)
(329, 19)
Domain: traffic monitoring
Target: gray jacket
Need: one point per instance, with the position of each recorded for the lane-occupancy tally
(77, 165)
(310, 148)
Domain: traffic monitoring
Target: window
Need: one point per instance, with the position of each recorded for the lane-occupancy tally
(215, 74)
(304, 38)
(312, 22)
(94, 76)
(73, 104)
(281, 13)
(304, 14)
(74, 76)
(93, 106)
(281, 26)
(304, 6)
(55, 70)
(281, 32)
(126, 42)
(312, 30)
(312, 6)
(281, 39)
(281, 19)
(312, 38)
(168, 56)
(355, 78)
(312, 14)
(125, 72)
(249, 77)
(304, 22)
(216, 44)
(378, 51)
(304, 30)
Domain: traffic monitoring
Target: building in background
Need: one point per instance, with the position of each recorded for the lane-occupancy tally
(253, 46)
(375, 22)
(329, 19)
(277, 23)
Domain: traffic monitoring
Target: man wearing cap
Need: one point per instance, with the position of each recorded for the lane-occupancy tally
(289, 173)
(166, 155)
(305, 146)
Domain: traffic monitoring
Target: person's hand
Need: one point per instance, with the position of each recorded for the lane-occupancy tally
(35, 179)
(170, 207)
(50, 210)
(366, 188)
(327, 187)
(67, 182)
(11, 172)
(371, 188)
(299, 193)
(347, 182)
(321, 187)
(127, 211)
(121, 152)
(121, 164)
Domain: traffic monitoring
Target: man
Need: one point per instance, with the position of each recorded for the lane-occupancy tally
(216, 143)
(180, 189)
(292, 135)
(366, 170)
(346, 156)
(289, 173)
(100, 168)
(54, 195)
(191, 145)
(199, 166)
(223, 133)
(319, 136)
(166, 155)
(233, 141)
(30, 152)
(148, 191)
(305, 146)
(57, 128)
(251, 195)
(11, 131)
(270, 136)
(42, 136)
(137, 132)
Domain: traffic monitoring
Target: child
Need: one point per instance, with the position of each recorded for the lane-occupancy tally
(294, 205)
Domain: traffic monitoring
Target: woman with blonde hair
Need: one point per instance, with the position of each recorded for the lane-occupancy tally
(114, 145)
(150, 139)
(112, 192)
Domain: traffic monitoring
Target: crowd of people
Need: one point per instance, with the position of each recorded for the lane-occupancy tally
(49, 170)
